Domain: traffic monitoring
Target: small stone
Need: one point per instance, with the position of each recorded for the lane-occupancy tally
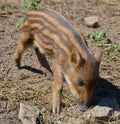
(105, 109)
(43, 110)
(88, 116)
(116, 114)
(91, 21)
(100, 112)
(29, 114)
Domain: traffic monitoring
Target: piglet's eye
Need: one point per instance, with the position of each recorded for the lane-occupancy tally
(80, 82)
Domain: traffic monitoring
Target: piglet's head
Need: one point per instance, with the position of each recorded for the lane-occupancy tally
(82, 76)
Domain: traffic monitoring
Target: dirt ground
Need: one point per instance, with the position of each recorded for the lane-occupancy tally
(30, 85)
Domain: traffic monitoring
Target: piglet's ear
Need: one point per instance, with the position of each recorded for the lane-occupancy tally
(98, 55)
(75, 57)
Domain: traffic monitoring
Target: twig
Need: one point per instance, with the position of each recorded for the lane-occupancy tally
(88, 10)
(67, 97)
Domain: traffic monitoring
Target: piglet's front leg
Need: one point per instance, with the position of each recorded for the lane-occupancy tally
(57, 88)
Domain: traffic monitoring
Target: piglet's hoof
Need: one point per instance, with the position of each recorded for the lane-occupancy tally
(18, 67)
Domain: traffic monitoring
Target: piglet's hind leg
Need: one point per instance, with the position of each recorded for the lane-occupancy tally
(24, 42)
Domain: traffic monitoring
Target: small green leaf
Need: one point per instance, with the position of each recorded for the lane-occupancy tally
(30, 4)
(98, 36)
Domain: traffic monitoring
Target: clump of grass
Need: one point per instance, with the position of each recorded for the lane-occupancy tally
(13, 96)
(30, 4)
(2, 7)
(100, 37)
(15, 99)
(113, 51)
(27, 5)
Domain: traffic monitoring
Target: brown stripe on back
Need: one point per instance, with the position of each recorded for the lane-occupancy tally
(65, 27)
(53, 34)
(62, 21)
(38, 26)
(52, 21)
(46, 19)
(56, 38)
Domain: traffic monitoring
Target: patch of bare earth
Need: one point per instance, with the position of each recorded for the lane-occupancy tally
(31, 85)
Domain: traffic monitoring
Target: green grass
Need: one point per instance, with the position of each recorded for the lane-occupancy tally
(101, 37)
(2, 7)
(14, 96)
(30, 4)
(27, 5)
(113, 51)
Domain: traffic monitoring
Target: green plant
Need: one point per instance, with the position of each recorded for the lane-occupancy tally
(100, 37)
(30, 4)
(27, 5)
(2, 7)
(113, 51)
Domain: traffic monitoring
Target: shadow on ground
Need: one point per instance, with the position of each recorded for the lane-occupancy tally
(106, 89)
(32, 69)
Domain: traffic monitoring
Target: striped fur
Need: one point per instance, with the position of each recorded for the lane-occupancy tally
(52, 35)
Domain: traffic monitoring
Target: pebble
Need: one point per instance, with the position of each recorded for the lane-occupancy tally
(91, 21)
